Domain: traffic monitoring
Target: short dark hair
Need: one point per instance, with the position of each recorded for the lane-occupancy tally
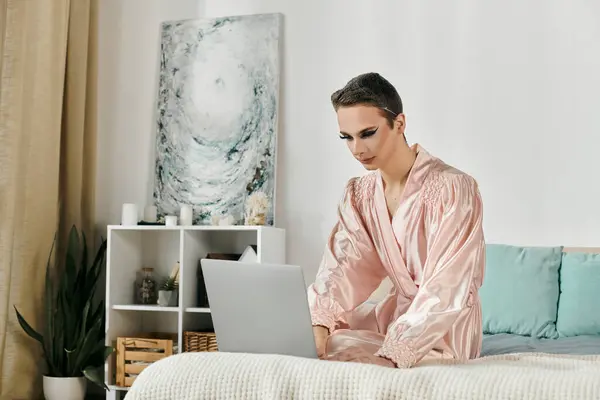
(370, 89)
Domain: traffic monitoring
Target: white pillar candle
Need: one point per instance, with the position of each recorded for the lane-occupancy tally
(150, 214)
(171, 220)
(186, 215)
(129, 214)
(227, 220)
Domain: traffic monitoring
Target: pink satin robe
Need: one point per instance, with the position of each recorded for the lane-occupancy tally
(434, 254)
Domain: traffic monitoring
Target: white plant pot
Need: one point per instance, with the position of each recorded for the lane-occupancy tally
(166, 298)
(64, 388)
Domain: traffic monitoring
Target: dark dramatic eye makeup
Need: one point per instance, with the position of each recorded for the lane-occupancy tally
(363, 134)
(368, 133)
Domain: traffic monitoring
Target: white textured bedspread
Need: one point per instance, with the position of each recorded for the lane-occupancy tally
(218, 376)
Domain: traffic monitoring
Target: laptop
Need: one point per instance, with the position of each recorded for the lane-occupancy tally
(259, 308)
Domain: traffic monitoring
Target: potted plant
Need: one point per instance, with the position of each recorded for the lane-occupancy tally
(168, 290)
(72, 338)
(167, 293)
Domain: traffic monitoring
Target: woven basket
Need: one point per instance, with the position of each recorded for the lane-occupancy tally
(199, 341)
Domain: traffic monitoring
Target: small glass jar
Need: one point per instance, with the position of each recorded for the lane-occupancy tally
(146, 290)
(256, 219)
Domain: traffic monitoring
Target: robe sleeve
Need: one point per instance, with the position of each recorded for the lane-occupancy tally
(350, 268)
(455, 257)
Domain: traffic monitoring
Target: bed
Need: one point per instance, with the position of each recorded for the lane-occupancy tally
(506, 344)
(563, 367)
(218, 376)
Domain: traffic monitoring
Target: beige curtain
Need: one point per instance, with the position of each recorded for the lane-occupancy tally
(47, 160)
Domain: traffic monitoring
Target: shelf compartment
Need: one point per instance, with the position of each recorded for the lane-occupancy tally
(131, 248)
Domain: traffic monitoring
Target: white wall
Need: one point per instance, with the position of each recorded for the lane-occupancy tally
(127, 85)
(506, 91)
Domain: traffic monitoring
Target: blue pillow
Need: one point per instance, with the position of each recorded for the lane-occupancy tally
(579, 302)
(520, 290)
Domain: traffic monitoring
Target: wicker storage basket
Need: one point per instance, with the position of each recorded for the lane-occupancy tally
(199, 341)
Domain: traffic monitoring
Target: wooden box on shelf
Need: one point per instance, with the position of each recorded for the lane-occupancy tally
(199, 341)
(134, 354)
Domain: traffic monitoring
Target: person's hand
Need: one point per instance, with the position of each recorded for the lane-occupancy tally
(321, 334)
(359, 355)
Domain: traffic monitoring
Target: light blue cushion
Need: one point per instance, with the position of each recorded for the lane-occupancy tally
(520, 290)
(579, 302)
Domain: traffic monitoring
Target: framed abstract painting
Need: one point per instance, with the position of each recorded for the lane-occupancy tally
(217, 120)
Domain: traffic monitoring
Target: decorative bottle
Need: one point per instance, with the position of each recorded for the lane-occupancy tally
(147, 292)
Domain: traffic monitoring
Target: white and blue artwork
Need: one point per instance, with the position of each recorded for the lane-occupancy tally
(217, 116)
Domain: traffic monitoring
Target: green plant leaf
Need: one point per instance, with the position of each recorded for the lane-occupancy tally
(70, 369)
(87, 347)
(28, 329)
(95, 375)
(74, 245)
(98, 313)
(96, 267)
(82, 289)
(108, 350)
(70, 319)
(79, 295)
(58, 339)
(100, 353)
(99, 258)
(76, 365)
(72, 257)
(73, 334)
(84, 255)
(50, 311)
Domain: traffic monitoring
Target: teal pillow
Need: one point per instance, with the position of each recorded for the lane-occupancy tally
(579, 303)
(520, 290)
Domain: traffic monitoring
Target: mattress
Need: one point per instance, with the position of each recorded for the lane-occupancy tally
(224, 376)
(507, 343)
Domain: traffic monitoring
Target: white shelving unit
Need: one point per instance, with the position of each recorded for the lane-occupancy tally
(131, 248)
